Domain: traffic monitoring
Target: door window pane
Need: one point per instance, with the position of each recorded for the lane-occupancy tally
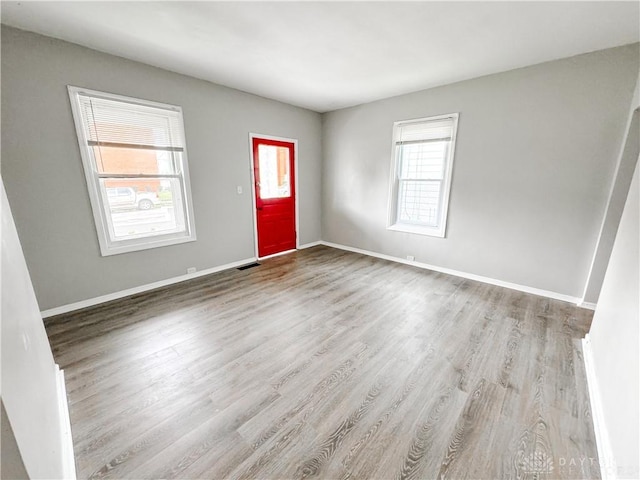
(275, 179)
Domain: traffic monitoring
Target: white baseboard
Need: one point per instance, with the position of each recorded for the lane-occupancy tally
(587, 305)
(309, 245)
(66, 440)
(608, 469)
(143, 288)
(470, 276)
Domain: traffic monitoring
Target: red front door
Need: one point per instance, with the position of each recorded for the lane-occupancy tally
(273, 167)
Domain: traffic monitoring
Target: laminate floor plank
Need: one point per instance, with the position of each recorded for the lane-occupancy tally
(328, 364)
(345, 416)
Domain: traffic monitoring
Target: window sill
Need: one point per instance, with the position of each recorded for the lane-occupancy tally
(417, 229)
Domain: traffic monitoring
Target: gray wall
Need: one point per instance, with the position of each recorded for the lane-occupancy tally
(42, 169)
(534, 163)
(535, 158)
(29, 374)
(615, 337)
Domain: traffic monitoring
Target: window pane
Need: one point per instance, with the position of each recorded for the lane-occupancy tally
(423, 160)
(418, 202)
(134, 154)
(135, 161)
(142, 207)
(274, 171)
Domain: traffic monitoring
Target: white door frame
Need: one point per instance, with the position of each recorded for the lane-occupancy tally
(253, 187)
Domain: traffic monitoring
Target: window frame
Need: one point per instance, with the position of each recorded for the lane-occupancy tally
(393, 222)
(92, 177)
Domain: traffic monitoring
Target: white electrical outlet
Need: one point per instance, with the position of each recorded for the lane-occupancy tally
(239, 189)
(411, 258)
(191, 270)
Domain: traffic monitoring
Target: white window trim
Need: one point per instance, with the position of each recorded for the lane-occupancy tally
(393, 223)
(91, 176)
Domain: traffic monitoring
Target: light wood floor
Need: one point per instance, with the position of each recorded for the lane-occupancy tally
(328, 364)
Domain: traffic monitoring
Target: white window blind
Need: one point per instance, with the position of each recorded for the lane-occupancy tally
(426, 131)
(114, 123)
(134, 155)
(422, 173)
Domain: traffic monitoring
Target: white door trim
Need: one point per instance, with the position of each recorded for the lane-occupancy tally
(253, 184)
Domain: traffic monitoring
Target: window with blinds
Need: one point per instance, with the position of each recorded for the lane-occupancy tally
(421, 175)
(135, 162)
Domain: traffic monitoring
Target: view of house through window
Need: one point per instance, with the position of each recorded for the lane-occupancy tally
(422, 165)
(274, 171)
(135, 162)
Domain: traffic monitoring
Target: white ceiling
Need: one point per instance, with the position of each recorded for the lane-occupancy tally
(329, 55)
